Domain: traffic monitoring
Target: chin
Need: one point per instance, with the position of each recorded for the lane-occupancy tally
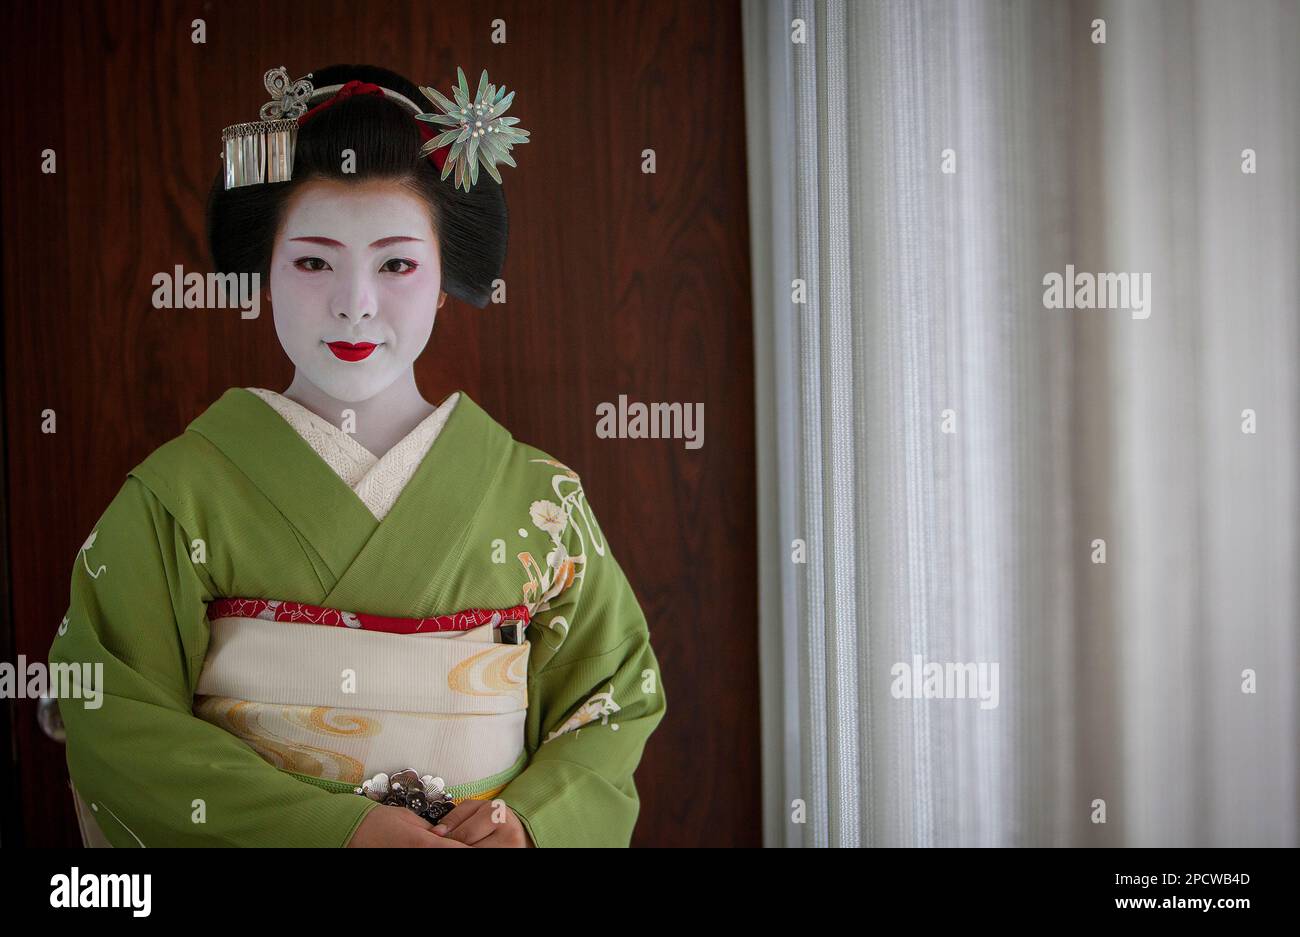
(363, 384)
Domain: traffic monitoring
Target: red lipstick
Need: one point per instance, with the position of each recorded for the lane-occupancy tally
(350, 352)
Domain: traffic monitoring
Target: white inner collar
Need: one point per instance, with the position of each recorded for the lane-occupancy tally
(376, 480)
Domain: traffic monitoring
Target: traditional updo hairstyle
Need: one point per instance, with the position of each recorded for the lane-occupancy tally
(471, 227)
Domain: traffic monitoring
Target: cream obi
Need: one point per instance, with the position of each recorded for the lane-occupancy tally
(341, 704)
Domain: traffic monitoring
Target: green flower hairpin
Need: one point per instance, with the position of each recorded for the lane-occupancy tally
(480, 132)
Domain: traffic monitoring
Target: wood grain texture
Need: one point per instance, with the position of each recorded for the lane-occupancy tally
(619, 282)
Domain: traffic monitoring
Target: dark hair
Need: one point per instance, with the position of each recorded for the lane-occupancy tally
(471, 226)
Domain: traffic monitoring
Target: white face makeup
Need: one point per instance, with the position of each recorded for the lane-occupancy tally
(354, 264)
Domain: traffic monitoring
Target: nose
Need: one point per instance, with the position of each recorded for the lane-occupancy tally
(355, 300)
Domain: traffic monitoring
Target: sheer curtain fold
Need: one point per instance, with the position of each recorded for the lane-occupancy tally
(941, 455)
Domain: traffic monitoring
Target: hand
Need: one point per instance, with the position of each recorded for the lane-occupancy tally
(397, 826)
(484, 824)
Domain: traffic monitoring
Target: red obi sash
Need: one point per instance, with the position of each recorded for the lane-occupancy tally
(276, 610)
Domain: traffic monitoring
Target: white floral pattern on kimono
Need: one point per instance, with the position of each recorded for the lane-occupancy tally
(601, 706)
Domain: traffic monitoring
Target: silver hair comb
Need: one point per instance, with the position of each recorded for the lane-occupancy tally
(262, 151)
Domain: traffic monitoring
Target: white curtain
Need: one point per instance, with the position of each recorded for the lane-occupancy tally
(941, 455)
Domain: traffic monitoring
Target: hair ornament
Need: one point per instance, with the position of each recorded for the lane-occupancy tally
(479, 134)
(262, 151)
(288, 98)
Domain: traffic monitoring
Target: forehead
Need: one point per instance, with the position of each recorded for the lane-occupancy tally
(356, 212)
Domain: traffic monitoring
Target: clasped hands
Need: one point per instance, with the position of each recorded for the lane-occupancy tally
(472, 823)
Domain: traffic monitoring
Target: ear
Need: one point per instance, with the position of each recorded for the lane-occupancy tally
(442, 298)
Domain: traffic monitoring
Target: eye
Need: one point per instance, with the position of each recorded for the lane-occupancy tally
(309, 264)
(411, 266)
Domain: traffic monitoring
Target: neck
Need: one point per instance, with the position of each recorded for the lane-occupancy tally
(381, 421)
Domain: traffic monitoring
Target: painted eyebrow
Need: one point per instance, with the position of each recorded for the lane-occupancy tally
(382, 242)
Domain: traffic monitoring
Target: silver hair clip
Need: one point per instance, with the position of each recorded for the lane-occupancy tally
(262, 151)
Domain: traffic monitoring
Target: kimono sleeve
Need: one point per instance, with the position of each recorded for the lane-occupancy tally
(592, 704)
(153, 772)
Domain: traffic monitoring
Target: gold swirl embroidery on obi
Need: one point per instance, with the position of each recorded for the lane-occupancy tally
(332, 721)
(498, 670)
(223, 712)
(255, 724)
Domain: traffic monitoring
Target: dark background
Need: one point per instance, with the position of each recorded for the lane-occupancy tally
(618, 282)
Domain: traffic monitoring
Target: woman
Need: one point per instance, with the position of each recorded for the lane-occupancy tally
(339, 614)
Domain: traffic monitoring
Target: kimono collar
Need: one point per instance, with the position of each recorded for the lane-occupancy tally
(443, 495)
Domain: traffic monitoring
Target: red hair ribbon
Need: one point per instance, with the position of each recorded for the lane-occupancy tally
(353, 88)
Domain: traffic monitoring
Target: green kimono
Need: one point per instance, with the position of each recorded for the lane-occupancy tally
(241, 506)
